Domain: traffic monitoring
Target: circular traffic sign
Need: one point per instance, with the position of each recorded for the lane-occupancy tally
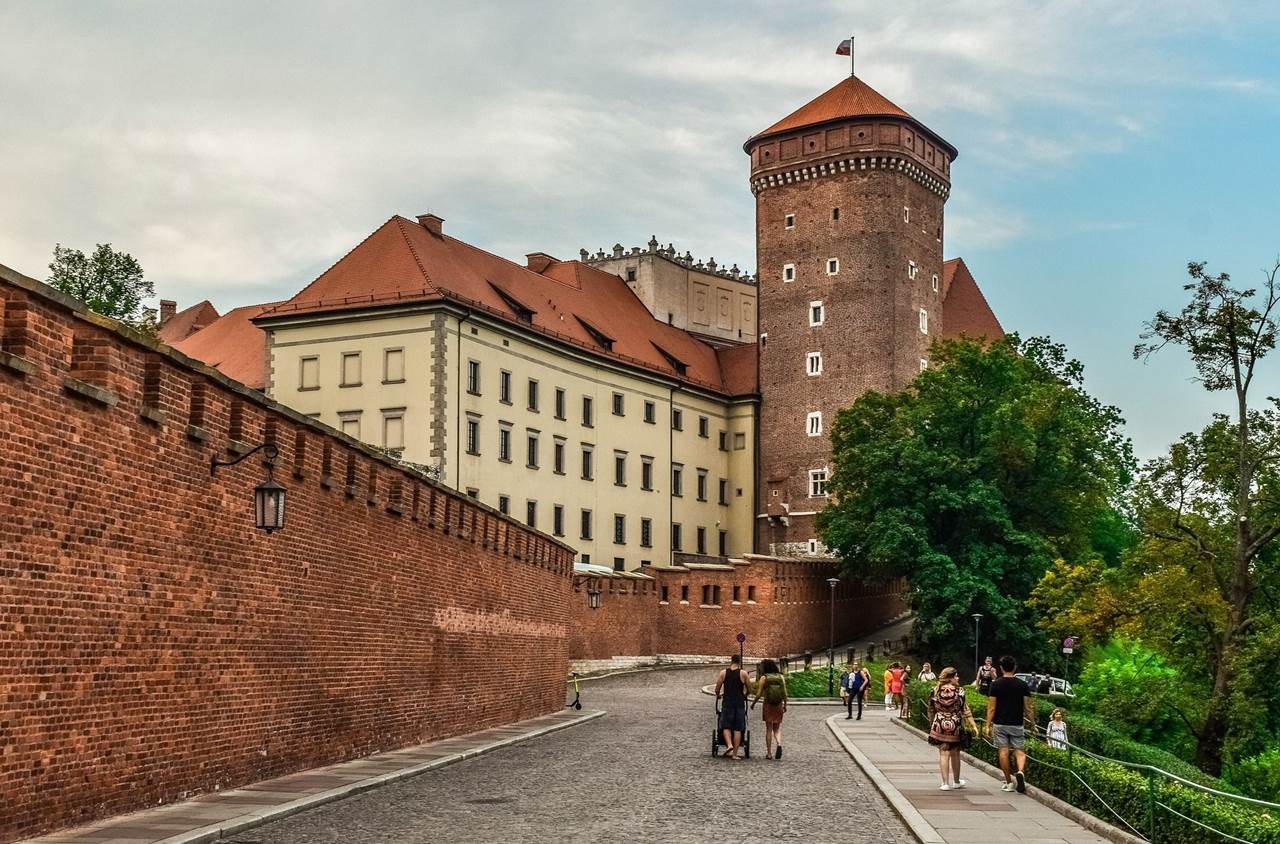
(742, 637)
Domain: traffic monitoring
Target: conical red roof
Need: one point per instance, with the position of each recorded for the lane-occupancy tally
(850, 97)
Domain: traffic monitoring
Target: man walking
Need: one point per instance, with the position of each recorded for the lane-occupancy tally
(1009, 705)
(732, 684)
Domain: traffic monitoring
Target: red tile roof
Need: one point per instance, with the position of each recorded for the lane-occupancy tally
(186, 322)
(233, 345)
(740, 369)
(965, 312)
(850, 97)
(571, 302)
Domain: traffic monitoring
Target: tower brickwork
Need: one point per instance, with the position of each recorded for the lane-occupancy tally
(849, 223)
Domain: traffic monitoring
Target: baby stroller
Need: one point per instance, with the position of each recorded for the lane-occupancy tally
(717, 738)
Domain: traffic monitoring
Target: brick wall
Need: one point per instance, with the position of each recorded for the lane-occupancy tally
(783, 607)
(153, 643)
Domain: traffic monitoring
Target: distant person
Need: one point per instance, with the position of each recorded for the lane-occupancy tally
(731, 684)
(773, 688)
(897, 675)
(904, 700)
(926, 674)
(1009, 706)
(1045, 685)
(951, 727)
(844, 684)
(856, 681)
(1056, 732)
(986, 676)
(888, 695)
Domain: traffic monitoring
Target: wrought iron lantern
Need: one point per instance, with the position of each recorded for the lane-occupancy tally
(268, 498)
(593, 599)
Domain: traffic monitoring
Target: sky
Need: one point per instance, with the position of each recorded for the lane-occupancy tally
(237, 149)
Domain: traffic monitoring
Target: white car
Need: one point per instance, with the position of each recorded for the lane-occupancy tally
(1057, 686)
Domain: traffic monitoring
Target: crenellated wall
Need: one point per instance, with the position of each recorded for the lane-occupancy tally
(154, 644)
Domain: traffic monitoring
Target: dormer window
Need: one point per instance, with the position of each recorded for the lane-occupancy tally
(674, 362)
(603, 340)
(523, 312)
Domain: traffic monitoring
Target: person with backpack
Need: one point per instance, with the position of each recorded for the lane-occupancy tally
(773, 688)
(854, 685)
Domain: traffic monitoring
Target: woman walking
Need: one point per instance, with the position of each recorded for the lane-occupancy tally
(773, 688)
(926, 674)
(1056, 732)
(951, 727)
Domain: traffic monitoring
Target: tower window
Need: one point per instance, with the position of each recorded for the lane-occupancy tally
(813, 424)
(817, 483)
(789, 221)
(813, 363)
(816, 314)
(833, 266)
(631, 273)
(912, 269)
(934, 283)
(788, 272)
(835, 213)
(924, 321)
(924, 364)
(906, 214)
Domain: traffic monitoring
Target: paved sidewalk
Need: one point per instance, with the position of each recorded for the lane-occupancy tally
(222, 814)
(905, 769)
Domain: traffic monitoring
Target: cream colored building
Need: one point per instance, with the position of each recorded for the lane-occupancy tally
(552, 400)
(715, 304)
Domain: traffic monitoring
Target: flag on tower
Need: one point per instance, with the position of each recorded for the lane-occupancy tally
(845, 48)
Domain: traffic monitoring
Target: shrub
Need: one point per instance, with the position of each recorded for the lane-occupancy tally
(1258, 776)
(1134, 689)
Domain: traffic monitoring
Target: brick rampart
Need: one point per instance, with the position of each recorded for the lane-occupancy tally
(783, 606)
(154, 644)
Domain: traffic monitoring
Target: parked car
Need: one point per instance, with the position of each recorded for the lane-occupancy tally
(1057, 687)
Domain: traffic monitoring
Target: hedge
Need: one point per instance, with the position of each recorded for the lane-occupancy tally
(1128, 792)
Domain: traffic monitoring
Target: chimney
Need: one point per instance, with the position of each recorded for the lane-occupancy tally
(539, 261)
(432, 223)
(168, 308)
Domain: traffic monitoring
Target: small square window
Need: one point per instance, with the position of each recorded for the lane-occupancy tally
(817, 314)
(924, 321)
(739, 441)
(817, 483)
(833, 266)
(912, 270)
(813, 424)
(924, 364)
(813, 363)
(788, 272)
(933, 282)
(393, 431)
(835, 214)
(619, 564)
(631, 273)
(789, 221)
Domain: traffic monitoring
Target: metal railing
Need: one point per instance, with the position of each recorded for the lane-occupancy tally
(1148, 828)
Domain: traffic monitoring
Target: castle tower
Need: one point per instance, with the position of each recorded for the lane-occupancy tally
(849, 194)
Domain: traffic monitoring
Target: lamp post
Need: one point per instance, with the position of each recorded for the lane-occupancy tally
(977, 619)
(831, 640)
(268, 498)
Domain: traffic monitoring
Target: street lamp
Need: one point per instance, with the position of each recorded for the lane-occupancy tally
(977, 618)
(268, 498)
(831, 640)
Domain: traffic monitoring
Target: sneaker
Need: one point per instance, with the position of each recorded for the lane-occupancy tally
(960, 783)
(944, 787)
(1007, 787)
(777, 754)
(1021, 779)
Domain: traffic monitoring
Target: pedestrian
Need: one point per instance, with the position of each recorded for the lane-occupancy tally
(1009, 706)
(844, 684)
(1056, 732)
(951, 727)
(888, 695)
(857, 681)
(732, 684)
(896, 675)
(986, 676)
(773, 688)
(926, 674)
(904, 699)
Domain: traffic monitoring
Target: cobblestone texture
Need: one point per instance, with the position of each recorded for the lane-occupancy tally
(642, 773)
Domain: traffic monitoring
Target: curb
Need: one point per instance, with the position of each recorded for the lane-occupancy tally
(240, 823)
(923, 831)
(1044, 798)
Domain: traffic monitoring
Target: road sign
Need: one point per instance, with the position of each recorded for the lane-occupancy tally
(1068, 644)
(742, 637)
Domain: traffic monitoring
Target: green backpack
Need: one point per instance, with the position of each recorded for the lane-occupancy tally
(775, 689)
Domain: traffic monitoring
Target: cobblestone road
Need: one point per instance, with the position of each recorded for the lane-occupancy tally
(642, 773)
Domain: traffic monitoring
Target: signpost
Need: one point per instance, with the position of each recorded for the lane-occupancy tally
(742, 640)
(1068, 645)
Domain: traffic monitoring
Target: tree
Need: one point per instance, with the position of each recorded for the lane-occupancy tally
(1223, 480)
(972, 482)
(110, 283)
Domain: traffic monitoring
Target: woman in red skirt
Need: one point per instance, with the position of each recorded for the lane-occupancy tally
(773, 688)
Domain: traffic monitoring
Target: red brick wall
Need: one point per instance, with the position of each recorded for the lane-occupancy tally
(790, 612)
(153, 643)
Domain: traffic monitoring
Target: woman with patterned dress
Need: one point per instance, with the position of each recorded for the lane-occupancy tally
(951, 727)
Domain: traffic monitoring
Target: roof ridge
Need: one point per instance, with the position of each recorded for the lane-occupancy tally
(400, 221)
(327, 269)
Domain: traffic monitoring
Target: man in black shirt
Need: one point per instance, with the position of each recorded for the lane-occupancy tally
(1008, 706)
(732, 683)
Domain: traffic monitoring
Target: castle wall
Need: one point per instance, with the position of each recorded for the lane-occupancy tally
(154, 644)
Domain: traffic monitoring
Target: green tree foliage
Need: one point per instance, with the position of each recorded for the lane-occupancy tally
(1216, 494)
(994, 463)
(1135, 690)
(108, 282)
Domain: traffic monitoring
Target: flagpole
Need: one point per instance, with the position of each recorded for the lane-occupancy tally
(852, 72)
